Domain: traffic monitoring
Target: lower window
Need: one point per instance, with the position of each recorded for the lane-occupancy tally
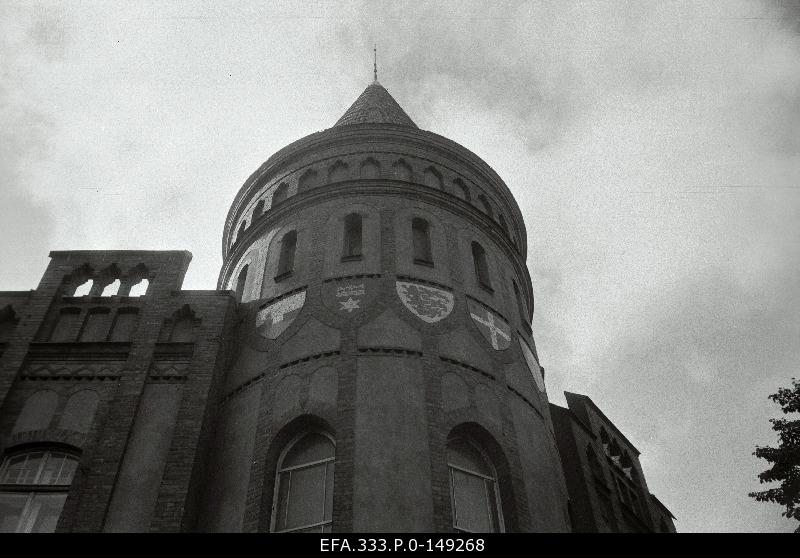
(33, 488)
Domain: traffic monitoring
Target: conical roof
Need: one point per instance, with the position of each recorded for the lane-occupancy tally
(375, 106)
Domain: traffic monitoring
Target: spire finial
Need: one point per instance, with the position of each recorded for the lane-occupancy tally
(375, 62)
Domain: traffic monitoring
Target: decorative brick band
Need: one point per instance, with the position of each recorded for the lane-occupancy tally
(390, 350)
(425, 282)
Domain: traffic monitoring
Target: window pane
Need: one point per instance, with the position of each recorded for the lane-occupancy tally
(51, 468)
(493, 507)
(469, 500)
(68, 470)
(464, 455)
(11, 508)
(42, 516)
(307, 496)
(311, 448)
(22, 469)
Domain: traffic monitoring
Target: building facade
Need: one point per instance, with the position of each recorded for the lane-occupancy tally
(366, 363)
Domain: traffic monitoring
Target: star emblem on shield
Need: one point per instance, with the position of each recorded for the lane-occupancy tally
(494, 328)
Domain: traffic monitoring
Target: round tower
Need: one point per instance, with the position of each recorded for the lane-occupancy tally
(384, 376)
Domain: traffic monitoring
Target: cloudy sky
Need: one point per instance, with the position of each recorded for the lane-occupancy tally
(654, 149)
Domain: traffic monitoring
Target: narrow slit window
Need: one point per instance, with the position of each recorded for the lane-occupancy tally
(286, 259)
(352, 238)
(420, 230)
(481, 266)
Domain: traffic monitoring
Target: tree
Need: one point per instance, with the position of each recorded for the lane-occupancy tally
(785, 458)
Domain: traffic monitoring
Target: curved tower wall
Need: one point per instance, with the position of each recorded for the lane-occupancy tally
(389, 354)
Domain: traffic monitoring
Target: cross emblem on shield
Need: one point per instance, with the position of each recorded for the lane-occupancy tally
(273, 320)
(492, 327)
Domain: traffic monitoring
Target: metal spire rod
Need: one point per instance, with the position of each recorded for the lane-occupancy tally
(375, 61)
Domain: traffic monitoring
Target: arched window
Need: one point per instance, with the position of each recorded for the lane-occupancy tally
(485, 206)
(258, 210)
(460, 190)
(124, 324)
(481, 266)
(402, 171)
(96, 326)
(84, 288)
(66, 327)
(140, 288)
(280, 195)
(304, 485)
(420, 230)
(352, 238)
(34, 487)
(473, 488)
(240, 282)
(181, 330)
(370, 169)
(338, 172)
(433, 178)
(286, 259)
(112, 288)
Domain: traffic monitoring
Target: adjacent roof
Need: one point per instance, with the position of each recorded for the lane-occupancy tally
(375, 106)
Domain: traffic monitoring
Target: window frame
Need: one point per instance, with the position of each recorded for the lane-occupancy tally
(34, 488)
(353, 220)
(495, 481)
(280, 469)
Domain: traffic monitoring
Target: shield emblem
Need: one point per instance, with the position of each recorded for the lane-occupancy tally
(494, 328)
(533, 366)
(274, 318)
(348, 296)
(428, 303)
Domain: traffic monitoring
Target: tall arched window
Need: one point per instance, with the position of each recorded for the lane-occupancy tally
(473, 488)
(286, 259)
(97, 325)
(420, 230)
(65, 328)
(304, 485)
(124, 324)
(240, 282)
(33, 488)
(481, 266)
(352, 238)
(280, 195)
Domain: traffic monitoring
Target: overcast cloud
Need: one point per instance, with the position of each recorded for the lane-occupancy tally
(654, 149)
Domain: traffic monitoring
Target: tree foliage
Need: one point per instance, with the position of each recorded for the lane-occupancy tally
(785, 458)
